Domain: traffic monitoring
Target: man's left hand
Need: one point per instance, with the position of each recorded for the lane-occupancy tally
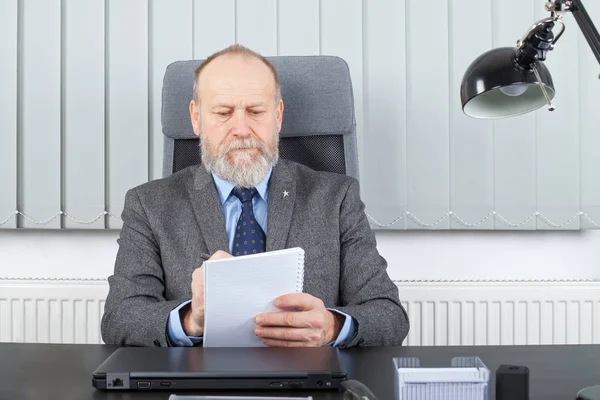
(304, 322)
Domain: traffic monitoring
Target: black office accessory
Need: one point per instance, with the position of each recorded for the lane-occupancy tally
(512, 382)
(182, 368)
(510, 81)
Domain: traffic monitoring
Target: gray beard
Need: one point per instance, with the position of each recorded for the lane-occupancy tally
(241, 169)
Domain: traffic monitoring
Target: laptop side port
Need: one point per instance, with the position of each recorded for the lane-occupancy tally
(143, 385)
(117, 381)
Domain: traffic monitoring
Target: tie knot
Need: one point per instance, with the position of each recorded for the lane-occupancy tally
(244, 194)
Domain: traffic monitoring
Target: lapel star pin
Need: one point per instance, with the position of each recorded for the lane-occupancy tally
(285, 194)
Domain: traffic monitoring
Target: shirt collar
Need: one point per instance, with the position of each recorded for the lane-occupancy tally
(224, 187)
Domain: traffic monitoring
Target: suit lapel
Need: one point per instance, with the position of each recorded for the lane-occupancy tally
(209, 214)
(282, 195)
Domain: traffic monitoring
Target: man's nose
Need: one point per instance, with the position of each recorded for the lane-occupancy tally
(241, 125)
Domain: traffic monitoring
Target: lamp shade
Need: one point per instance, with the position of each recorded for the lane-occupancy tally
(495, 86)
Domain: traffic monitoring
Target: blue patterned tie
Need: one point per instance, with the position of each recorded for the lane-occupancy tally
(249, 236)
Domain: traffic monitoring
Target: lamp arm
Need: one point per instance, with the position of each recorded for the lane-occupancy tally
(587, 26)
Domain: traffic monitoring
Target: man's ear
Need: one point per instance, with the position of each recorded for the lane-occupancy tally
(195, 117)
(279, 114)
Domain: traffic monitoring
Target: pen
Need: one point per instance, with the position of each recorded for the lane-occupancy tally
(204, 256)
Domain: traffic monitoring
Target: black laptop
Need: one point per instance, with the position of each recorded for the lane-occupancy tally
(230, 368)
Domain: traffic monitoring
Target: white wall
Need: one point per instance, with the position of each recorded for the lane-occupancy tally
(411, 255)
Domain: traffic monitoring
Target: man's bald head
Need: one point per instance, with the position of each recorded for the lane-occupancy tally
(235, 51)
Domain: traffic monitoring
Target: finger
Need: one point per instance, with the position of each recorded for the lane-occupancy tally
(220, 254)
(290, 319)
(198, 278)
(197, 286)
(198, 296)
(281, 318)
(290, 334)
(298, 301)
(198, 274)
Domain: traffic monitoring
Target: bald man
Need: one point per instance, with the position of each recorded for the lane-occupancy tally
(156, 293)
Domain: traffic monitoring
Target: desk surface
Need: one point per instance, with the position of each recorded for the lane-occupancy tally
(63, 372)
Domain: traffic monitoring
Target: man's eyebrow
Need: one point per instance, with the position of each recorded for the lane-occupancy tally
(218, 105)
(229, 105)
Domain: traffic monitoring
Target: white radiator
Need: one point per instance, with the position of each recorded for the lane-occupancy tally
(441, 313)
(45, 311)
(502, 313)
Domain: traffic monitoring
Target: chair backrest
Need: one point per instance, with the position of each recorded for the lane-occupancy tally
(319, 125)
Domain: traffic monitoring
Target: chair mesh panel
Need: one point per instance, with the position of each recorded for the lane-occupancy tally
(321, 153)
(186, 152)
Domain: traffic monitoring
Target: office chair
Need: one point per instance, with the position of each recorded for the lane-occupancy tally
(319, 126)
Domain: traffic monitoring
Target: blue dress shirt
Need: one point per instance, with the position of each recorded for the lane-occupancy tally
(232, 208)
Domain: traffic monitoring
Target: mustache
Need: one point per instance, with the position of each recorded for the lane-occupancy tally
(248, 143)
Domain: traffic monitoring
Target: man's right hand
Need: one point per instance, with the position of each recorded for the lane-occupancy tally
(192, 315)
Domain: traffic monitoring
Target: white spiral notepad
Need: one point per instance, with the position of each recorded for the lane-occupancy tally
(237, 289)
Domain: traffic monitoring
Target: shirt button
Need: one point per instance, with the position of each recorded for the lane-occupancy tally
(180, 343)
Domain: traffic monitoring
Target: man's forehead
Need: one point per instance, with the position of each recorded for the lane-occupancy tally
(236, 85)
(236, 73)
(232, 93)
(216, 99)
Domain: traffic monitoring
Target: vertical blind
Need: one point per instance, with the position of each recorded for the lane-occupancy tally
(81, 95)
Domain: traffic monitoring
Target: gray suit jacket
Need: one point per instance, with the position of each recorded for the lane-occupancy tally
(168, 222)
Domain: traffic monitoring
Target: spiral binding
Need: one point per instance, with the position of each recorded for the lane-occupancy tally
(300, 273)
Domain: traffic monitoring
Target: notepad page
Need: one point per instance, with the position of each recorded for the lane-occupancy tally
(237, 289)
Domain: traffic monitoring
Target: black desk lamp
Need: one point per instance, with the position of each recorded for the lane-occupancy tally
(511, 81)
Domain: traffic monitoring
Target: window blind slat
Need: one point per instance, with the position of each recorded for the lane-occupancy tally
(256, 25)
(342, 35)
(514, 138)
(127, 101)
(41, 94)
(214, 26)
(83, 159)
(471, 141)
(558, 135)
(427, 115)
(171, 40)
(298, 24)
(589, 99)
(8, 112)
(384, 140)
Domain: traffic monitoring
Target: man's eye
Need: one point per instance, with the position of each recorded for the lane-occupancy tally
(223, 113)
(256, 112)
